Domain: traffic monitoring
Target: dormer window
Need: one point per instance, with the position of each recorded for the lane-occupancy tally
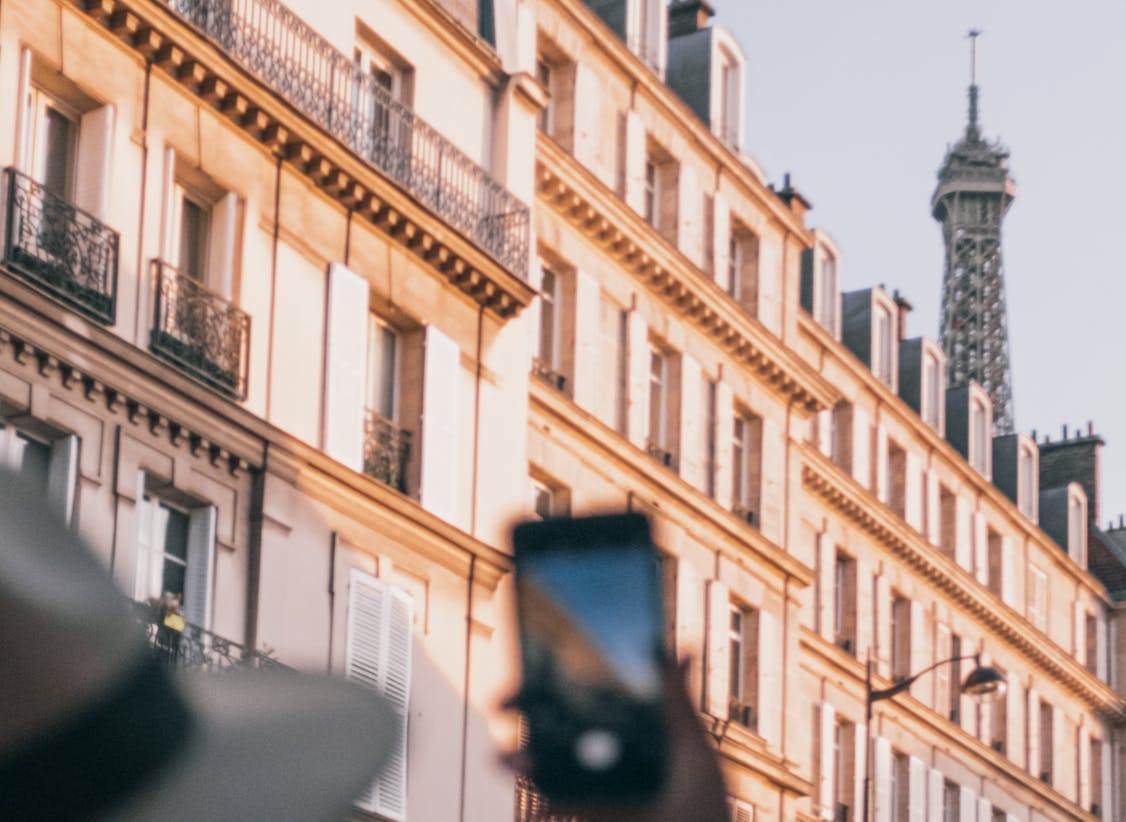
(979, 425)
(827, 296)
(1077, 527)
(882, 345)
(650, 32)
(932, 392)
(1027, 480)
(729, 111)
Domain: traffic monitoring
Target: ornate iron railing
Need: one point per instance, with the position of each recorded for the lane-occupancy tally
(387, 450)
(200, 332)
(60, 249)
(323, 83)
(196, 648)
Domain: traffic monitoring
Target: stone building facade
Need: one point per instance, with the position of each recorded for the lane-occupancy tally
(303, 305)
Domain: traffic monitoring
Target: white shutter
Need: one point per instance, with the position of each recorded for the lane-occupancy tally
(980, 548)
(984, 810)
(724, 431)
(882, 781)
(441, 408)
(917, 658)
(172, 203)
(636, 151)
(691, 428)
(827, 586)
(688, 213)
(916, 790)
(1008, 572)
(345, 372)
(772, 493)
(882, 487)
(967, 804)
(769, 677)
(1079, 631)
(825, 771)
(936, 789)
(94, 161)
(859, 763)
(22, 153)
(690, 624)
(12, 447)
(934, 508)
(720, 239)
(1032, 735)
(913, 491)
(963, 548)
(882, 640)
(151, 534)
(740, 811)
(1014, 746)
(222, 242)
(588, 108)
(1100, 645)
(201, 553)
(638, 360)
(718, 671)
(861, 447)
(62, 476)
(1084, 742)
(142, 554)
(943, 648)
(379, 657)
(587, 315)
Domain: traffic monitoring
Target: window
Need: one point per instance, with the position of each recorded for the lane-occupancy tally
(54, 143)
(1046, 746)
(897, 479)
(844, 603)
(996, 561)
(746, 465)
(547, 116)
(1027, 482)
(383, 369)
(50, 467)
(742, 265)
(882, 361)
(1091, 639)
(841, 737)
(549, 499)
(378, 656)
(1077, 529)
(948, 532)
(727, 124)
(25, 456)
(651, 192)
(979, 436)
(899, 791)
(900, 637)
(657, 433)
(707, 232)
(546, 364)
(742, 637)
(950, 802)
(828, 295)
(1096, 777)
(999, 721)
(954, 709)
(175, 547)
(1037, 598)
(652, 31)
(932, 390)
(195, 224)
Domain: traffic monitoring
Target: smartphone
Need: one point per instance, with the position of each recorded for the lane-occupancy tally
(590, 612)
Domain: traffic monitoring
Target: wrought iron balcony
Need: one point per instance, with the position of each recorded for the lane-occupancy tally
(544, 372)
(60, 249)
(324, 84)
(200, 332)
(195, 648)
(387, 450)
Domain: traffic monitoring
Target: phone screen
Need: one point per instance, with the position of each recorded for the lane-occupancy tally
(591, 626)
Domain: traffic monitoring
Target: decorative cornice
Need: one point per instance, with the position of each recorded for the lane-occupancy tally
(570, 190)
(744, 748)
(938, 444)
(158, 36)
(953, 734)
(700, 509)
(841, 492)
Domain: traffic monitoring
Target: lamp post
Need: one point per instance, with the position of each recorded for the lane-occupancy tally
(984, 683)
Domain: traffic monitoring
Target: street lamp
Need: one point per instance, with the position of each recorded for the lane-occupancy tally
(984, 683)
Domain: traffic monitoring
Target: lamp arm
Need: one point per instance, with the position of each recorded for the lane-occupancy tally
(904, 684)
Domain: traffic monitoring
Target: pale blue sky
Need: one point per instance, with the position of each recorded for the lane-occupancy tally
(858, 100)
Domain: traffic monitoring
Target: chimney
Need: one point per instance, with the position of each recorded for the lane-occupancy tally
(687, 16)
(903, 308)
(793, 198)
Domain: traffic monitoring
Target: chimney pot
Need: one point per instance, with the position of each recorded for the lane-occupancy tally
(1090, 428)
(1122, 520)
(1034, 435)
(1065, 431)
(687, 16)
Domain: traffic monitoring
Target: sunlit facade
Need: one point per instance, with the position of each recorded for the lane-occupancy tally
(302, 306)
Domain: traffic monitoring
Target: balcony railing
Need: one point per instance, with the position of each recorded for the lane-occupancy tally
(387, 450)
(195, 648)
(200, 332)
(323, 83)
(60, 249)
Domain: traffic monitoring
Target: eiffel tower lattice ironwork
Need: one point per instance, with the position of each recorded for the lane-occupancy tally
(974, 191)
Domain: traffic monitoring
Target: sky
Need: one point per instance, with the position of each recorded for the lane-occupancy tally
(859, 101)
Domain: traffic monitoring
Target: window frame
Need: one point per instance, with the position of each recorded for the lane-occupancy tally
(379, 326)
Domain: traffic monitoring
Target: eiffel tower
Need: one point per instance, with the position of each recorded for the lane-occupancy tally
(974, 191)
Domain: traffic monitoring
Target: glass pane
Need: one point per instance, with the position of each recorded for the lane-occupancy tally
(36, 458)
(382, 357)
(58, 149)
(193, 240)
(176, 535)
(547, 319)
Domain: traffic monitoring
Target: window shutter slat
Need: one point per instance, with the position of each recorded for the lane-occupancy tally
(346, 348)
(62, 475)
(718, 664)
(379, 657)
(967, 804)
(882, 779)
(94, 161)
(916, 790)
(936, 790)
(201, 553)
(441, 444)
